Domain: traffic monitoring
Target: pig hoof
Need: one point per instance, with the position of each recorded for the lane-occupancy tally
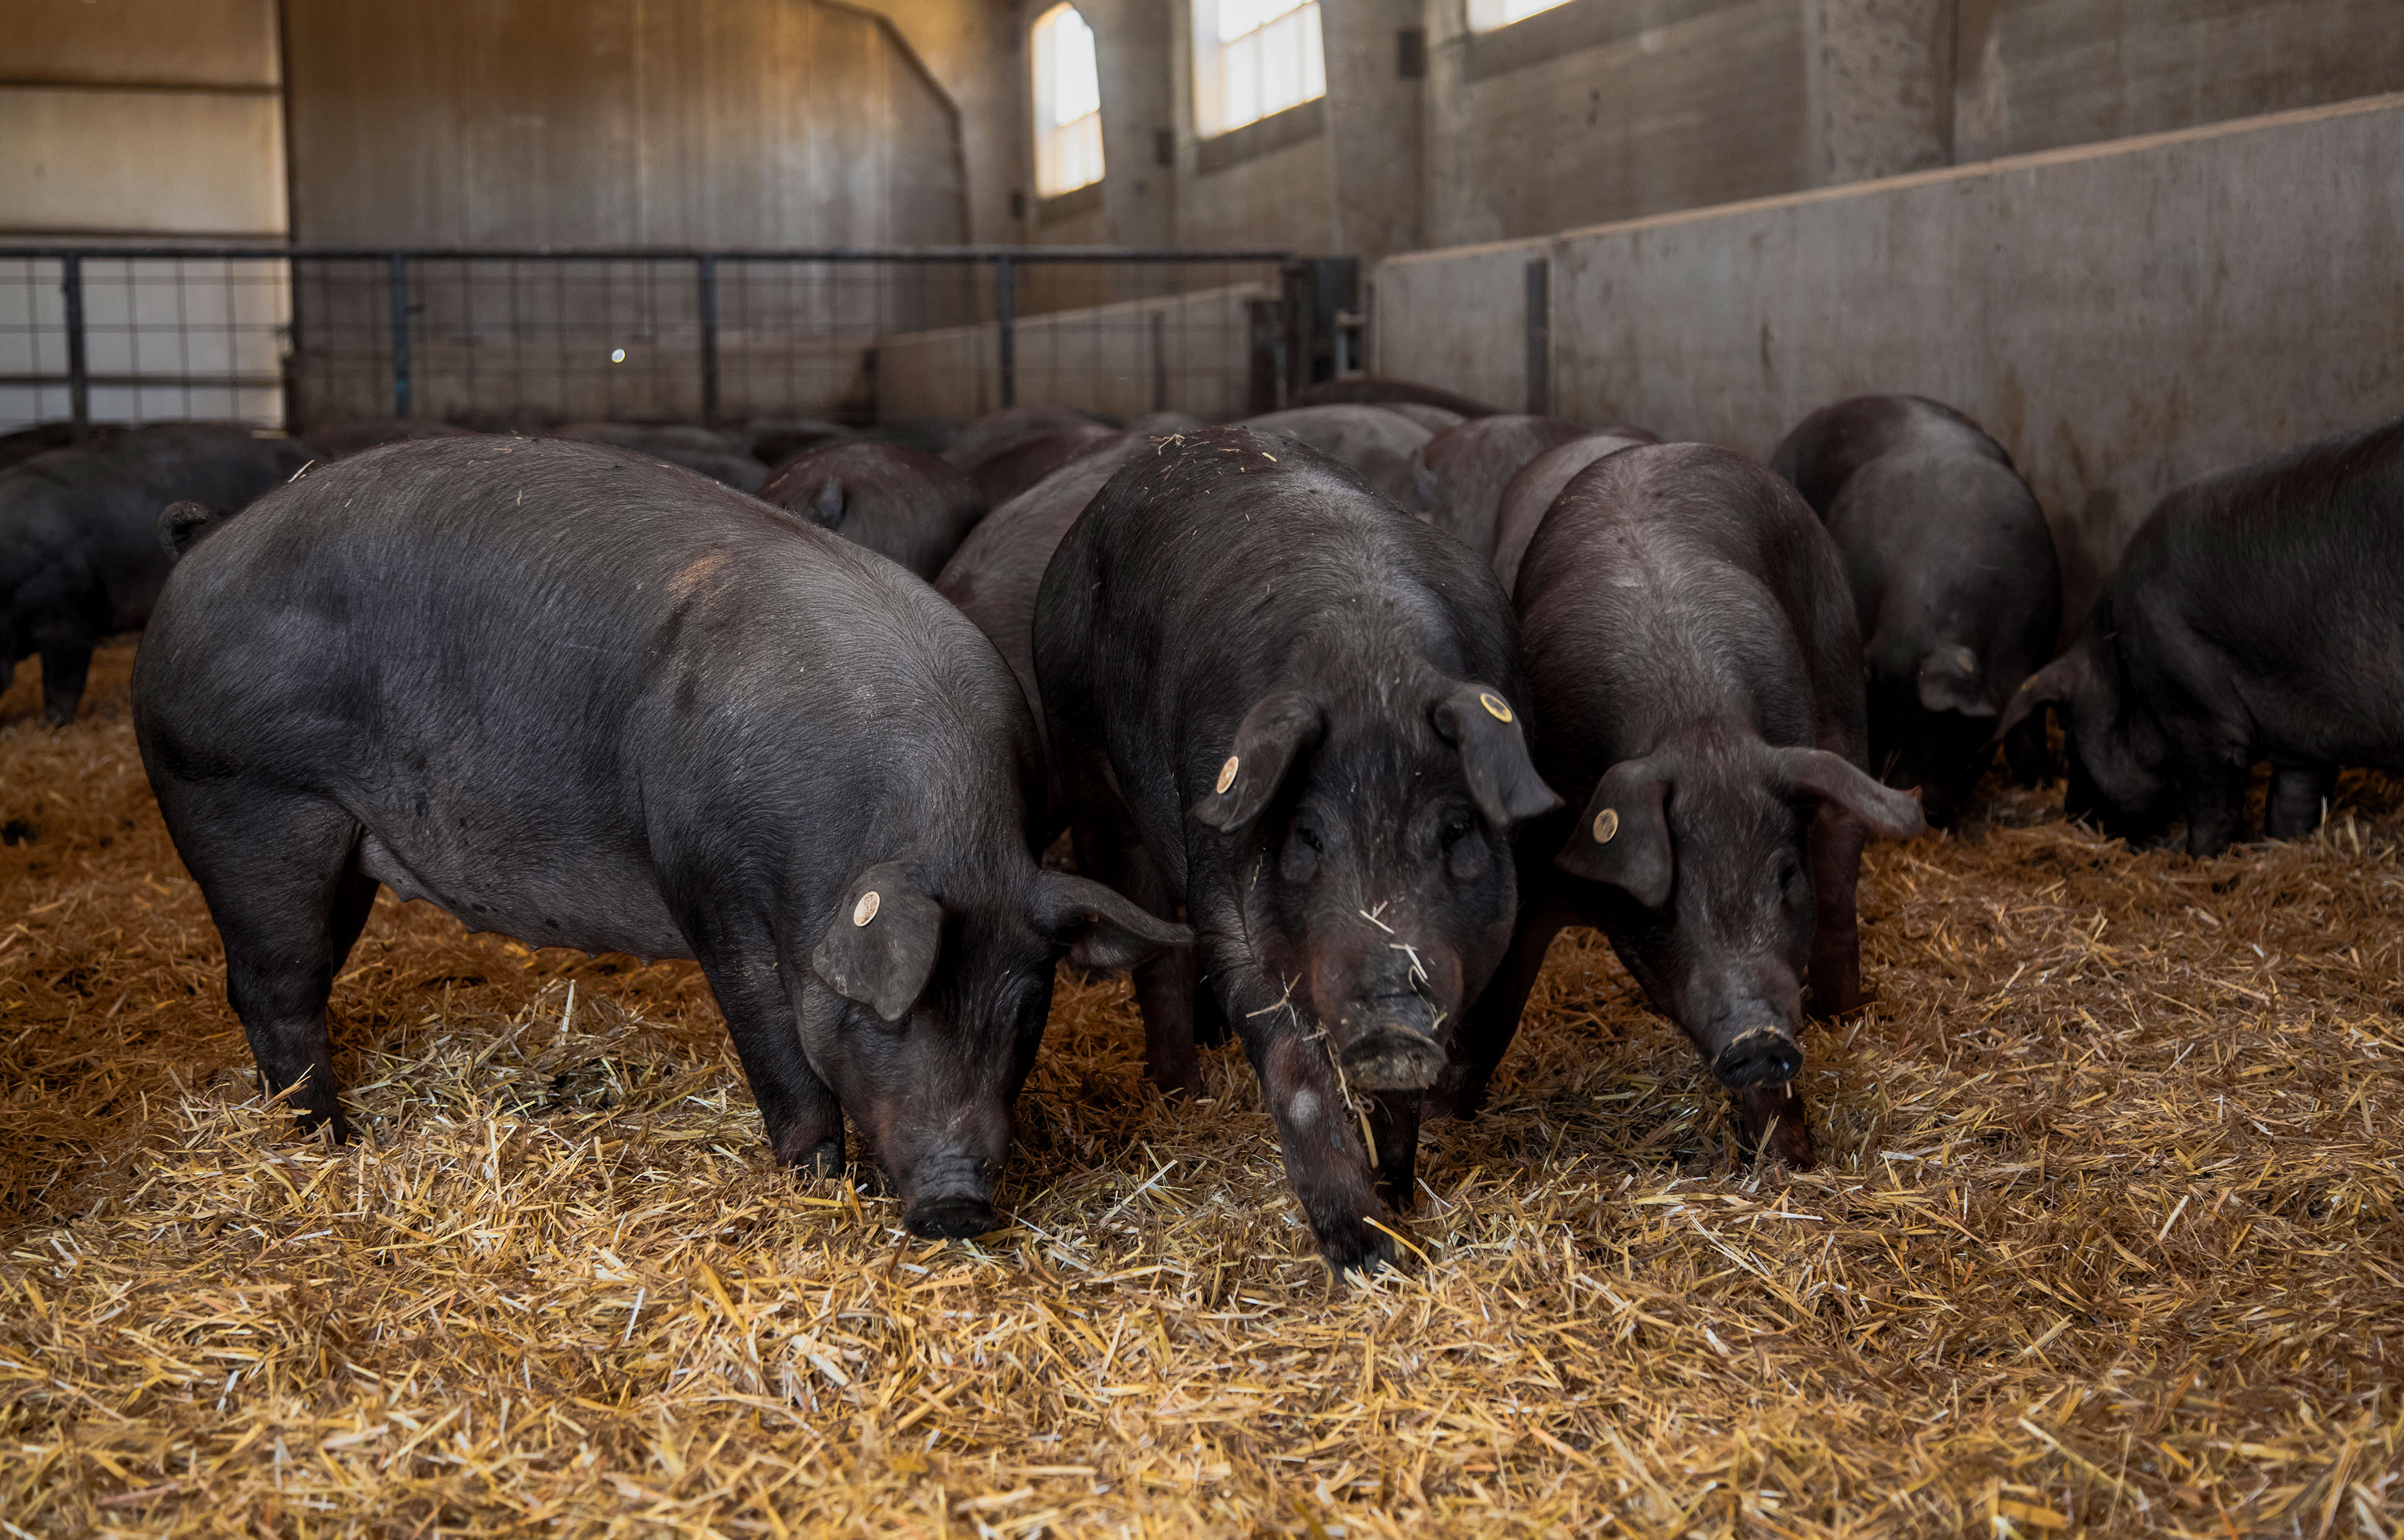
(822, 1159)
(1393, 1060)
(1757, 1058)
(958, 1217)
(1360, 1255)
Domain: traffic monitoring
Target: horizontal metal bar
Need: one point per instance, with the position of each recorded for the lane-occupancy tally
(935, 255)
(174, 87)
(218, 382)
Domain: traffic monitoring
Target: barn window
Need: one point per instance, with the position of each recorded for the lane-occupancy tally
(1485, 15)
(1253, 57)
(1067, 103)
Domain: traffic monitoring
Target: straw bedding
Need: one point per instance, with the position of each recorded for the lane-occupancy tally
(2106, 1240)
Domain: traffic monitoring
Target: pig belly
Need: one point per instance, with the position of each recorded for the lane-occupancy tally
(597, 904)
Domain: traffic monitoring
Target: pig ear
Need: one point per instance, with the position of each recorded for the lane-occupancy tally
(827, 505)
(880, 947)
(1951, 678)
(1102, 928)
(1272, 735)
(2057, 683)
(1623, 837)
(1832, 777)
(1481, 724)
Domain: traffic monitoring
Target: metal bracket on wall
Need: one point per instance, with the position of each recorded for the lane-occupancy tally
(1540, 336)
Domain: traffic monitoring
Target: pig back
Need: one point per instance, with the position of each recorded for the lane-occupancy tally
(543, 624)
(1677, 585)
(1225, 567)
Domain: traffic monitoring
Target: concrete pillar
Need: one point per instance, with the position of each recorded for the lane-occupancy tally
(1373, 127)
(1880, 79)
(1132, 43)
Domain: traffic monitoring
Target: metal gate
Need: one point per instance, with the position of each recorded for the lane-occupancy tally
(295, 336)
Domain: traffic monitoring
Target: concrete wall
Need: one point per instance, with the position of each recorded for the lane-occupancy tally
(2036, 74)
(1185, 352)
(2122, 317)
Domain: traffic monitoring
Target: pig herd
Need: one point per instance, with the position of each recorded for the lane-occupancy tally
(1347, 711)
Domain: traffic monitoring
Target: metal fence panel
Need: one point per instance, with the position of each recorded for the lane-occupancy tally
(297, 336)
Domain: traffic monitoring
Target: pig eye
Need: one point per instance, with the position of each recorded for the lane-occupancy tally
(1790, 879)
(1309, 837)
(1455, 828)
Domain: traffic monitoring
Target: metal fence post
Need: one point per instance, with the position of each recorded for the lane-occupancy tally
(396, 277)
(1005, 306)
(708, 304)
(79, 364)
(1540, 336)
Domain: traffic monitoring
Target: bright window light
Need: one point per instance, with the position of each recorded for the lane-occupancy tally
(1253, 57)
(1067, 102)
(1485, 15)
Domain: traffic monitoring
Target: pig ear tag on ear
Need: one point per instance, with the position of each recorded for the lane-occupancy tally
(1227, 774)
(1606, 826)
(1495, 705)
(879, 949)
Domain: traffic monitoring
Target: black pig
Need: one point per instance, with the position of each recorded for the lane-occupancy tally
(1375, 442)
(2255, 615)
(79, 554)
(1695, 677)
(1528, 496)
(586, 700)
(1279, 702)
(1955, 580)
(1455, 479)
(904, 504)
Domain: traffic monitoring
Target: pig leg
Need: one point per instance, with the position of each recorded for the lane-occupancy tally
(1394, 1125)
(65, 666)
(2299, 795)
(2028, 753)
(1835, 967)
(800, 1116)
(279, 876)
(1488, 1026)
(1771, 1119)
(2215, 804)
(1320, 1137)
(1110, 849)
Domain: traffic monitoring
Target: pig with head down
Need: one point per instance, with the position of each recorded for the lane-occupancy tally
(584, 699)
(1282, 704)
(1695, 677)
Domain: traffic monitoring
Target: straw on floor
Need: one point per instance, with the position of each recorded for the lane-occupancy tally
(2106, 1241)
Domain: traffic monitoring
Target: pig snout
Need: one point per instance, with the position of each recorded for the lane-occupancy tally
(1392, 1044)
(950, 1197)
(1752, 1045)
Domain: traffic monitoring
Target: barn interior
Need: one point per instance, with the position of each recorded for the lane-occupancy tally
(2106, 1235)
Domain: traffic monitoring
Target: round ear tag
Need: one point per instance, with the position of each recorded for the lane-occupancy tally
(1606, 824)
(1226, 775)
(865, 910)
(1494, 706)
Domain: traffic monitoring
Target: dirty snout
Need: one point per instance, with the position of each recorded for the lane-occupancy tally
(946, 1177)
(1750, 1044)
(1383, 1013)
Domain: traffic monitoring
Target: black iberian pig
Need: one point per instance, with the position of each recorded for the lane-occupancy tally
(1696, 682)
(1286, 705)
(583, 699)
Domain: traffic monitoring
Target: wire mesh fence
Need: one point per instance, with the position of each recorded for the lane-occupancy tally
(293, 337)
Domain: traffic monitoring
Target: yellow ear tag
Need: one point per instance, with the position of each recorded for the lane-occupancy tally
(1606, 824)
(865, 910)
(1226, 775)
(1494, 707)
